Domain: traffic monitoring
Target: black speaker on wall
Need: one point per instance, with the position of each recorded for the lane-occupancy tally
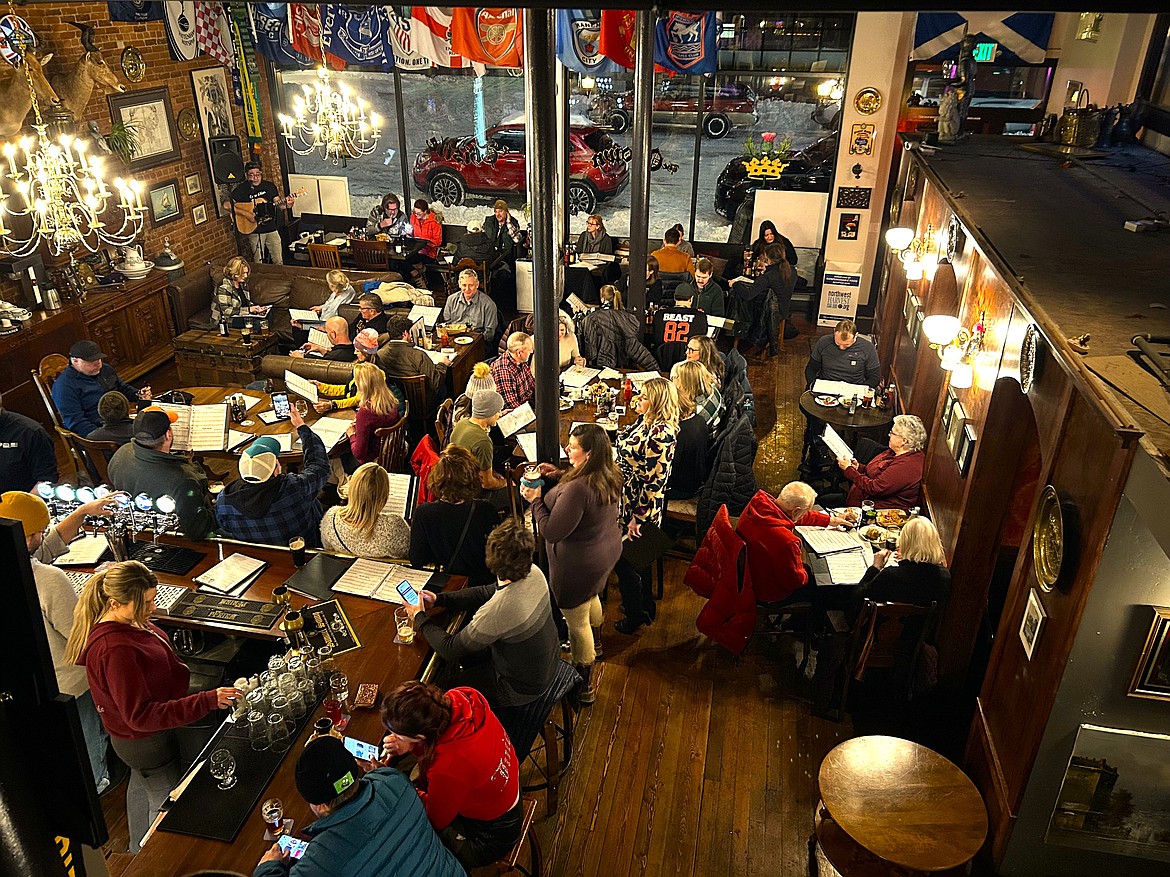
(227, 165)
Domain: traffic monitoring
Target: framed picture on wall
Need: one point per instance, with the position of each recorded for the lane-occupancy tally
(194, 184)
(214, 107)
(147, 114)
(199, 214)
(164, 202)
(966, 449)
(955, 428)
(1151, 678)
(948, 409)
(1032, 623)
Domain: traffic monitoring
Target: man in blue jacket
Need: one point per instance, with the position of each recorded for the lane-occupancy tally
(77, 389)
(367, 826)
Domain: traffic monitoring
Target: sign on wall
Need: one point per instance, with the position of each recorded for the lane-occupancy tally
(839, 294)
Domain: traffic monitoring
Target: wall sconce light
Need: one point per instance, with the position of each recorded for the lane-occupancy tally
(918, 256)
(958, 348)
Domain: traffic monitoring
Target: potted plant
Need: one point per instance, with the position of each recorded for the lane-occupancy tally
(123, 140)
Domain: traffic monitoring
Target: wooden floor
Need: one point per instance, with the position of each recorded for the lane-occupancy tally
(690, 761)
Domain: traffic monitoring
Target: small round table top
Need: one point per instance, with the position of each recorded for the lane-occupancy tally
(903, 802)
(838, 415)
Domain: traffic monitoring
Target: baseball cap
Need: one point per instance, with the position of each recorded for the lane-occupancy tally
(485, 403)
(684, 292)
(500, 204)
(87, 350)
(474, 226)
(152, 423)
(258, 461)
(27, 508)
(324, 770)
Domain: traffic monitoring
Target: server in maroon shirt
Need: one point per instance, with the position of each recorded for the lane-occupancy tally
(139, 685)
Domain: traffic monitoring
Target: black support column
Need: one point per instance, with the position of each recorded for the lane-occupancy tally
(640, 165)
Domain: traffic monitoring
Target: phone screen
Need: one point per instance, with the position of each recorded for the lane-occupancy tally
(294, 846)
(361, 749)
(280, 405)
(408, 593)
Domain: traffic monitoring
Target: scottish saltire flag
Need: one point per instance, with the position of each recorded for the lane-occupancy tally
(579, 43)
(270, 27)
(358, 34)
(1022, 37)
(687, 42)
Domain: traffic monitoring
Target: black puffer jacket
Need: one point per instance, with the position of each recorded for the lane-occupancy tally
(609, 339)
(732, 480)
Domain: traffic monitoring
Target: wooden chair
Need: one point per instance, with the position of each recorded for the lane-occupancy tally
(444, 423)
(510, 864)
(481, 269)
(394, 448)
(415, 387)
(46, 372)
(95, 455)
(880, 641)
(370, 255)
(324, 256)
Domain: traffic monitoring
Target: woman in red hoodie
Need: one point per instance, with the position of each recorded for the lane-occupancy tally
(139, 685)
(470, 778)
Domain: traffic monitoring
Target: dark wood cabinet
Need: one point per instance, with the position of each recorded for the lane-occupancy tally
(132, 325)
(21, 352)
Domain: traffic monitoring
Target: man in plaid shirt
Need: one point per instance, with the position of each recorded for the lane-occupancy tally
(512, 374)
(270, 506)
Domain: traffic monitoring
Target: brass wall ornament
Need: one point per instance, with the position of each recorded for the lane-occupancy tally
(132, 64)
(867, 101)
(1028, 351)
(188, 124)
(1048, 539)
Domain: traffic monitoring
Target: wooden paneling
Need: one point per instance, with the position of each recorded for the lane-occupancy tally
(132, 325)
(20, 353)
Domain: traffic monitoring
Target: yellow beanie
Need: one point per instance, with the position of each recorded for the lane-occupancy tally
(30, 510)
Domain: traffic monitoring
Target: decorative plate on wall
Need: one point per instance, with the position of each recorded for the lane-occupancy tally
(867, 101)
(1048, 538)
(188, 124)
(132, 64)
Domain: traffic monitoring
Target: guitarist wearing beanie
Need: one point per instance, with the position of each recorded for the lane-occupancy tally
(254, 204)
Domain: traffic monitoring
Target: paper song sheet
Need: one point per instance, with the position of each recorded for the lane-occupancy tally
(269, 417)
(639, 378)
(846, 567)
(329, 429)
(839, 388)
(402, 495)
(576, 303)
(836, 443)
(610, 374)
(305, 316)
(320, 339)
(378, 581)
(516, 419)
(231, 572)
(430, 315)
(199, 427)
(527, 442)
(824, 541)
(575, 376)
(303, 387)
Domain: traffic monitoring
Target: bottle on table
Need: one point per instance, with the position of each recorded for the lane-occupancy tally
(627, 392)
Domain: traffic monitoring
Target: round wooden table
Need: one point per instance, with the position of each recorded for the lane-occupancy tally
(840, 418)
(903, 803)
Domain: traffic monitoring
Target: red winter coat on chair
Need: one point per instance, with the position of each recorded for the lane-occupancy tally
(773, 547)
(421, 461)
(719, 572)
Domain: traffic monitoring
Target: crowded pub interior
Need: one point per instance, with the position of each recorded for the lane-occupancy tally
(463, 440)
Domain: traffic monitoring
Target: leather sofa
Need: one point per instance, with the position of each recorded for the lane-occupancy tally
(283, 286)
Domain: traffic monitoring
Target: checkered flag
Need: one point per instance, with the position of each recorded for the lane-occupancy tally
(212, 34)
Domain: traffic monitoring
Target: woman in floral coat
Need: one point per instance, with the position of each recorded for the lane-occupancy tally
(645, 452)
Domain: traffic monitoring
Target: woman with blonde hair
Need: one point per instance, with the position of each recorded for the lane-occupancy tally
(335, 397)
(362, 527)
(698, 387)
(570, 353)
(645, 452)
(138, 683)
(692, 448)
(341, 292)
(231, 297)
(377, 409)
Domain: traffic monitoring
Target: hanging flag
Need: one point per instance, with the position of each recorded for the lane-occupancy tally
(270, 23)
(135, 10)
(249, 71)
(617, 36)
(579, 43)
(359, 34)
(490, 36)
(304, 23)
(1022, 37)
(212, 31)
(687, 42)
(179, 16)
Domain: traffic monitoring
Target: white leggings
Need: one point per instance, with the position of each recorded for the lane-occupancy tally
(581, 620)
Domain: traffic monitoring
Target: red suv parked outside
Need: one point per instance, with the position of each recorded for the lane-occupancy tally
(450, 168)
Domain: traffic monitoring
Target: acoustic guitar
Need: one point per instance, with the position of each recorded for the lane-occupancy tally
(245, 211)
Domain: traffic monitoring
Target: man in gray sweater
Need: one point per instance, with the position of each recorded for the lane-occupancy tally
(509, 649)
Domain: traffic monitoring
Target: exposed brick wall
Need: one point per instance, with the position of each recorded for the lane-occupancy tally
(213, 239)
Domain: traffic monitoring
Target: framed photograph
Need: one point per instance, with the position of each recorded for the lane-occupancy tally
(199, 214)
(148, 114)
(194, 184)
(955, 428)
(164, 202)
(1032, 623)
(213, 105)
(948, 411)
(1151, 678)
(966, 449)
(1113, 793)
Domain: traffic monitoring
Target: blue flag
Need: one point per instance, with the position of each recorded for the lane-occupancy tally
(357, 34)
(135, 10)
(578, 43)
(687, 42)
(270, 21)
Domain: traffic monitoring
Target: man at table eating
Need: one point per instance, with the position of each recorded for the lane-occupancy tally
(472, 307)
(270, 506)
(368, 825)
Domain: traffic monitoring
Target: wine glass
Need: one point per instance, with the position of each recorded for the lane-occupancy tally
(223, 768)
(272, 811)
(302, 407)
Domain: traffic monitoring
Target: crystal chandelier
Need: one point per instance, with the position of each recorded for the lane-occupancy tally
(334, 122)
(63, 194)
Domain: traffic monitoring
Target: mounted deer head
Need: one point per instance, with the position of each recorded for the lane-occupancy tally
(75, 84)
(15, 99)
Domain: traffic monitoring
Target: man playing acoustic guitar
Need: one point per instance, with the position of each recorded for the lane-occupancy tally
(254, 202)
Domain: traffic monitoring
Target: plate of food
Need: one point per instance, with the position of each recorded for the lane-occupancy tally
(873, 535)
(455, 328)
(464, 339)
(892, 517)
(566, 404)
(827, 401)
